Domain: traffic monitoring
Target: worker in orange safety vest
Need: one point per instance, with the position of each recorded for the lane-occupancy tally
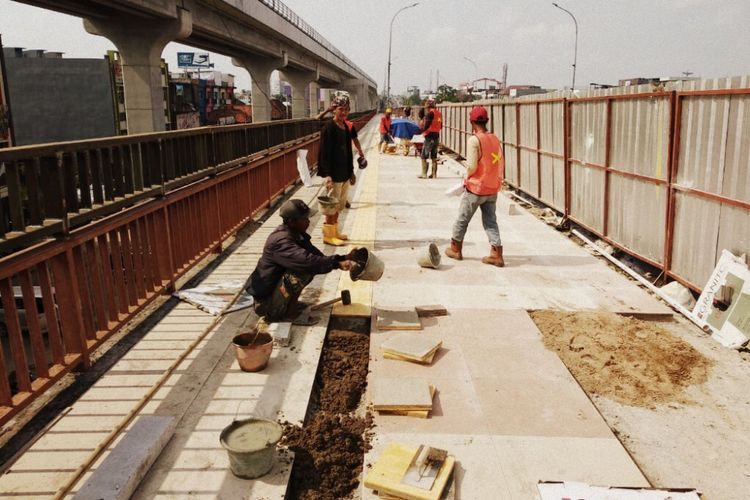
(385, 130)
(433, 124)
(485, 169)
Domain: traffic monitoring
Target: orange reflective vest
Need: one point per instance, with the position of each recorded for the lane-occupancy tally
(385, 125)
(436, 125)
(488, 177)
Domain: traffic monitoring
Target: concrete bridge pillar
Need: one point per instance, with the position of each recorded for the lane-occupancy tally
(260, 69)
(358, 93)
(300, 82)
(140, 43)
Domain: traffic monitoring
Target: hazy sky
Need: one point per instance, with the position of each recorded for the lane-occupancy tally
(617, 38)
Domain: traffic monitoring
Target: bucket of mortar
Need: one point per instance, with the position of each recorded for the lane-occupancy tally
(253, 350)
(367, 266)
(328, 205)
(251, 446)
(430, 257)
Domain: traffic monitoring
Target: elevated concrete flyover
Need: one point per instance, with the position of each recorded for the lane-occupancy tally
(260, 35)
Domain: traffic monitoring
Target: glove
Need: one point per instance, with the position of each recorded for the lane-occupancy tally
(362, 162)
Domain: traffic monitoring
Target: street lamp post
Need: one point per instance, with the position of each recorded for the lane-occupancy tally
(390, 39)
(476, 69)
(575, 52)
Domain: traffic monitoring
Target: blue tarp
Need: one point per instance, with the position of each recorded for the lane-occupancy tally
(402, 128)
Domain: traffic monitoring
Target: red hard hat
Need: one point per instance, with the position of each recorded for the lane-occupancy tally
(479, 114)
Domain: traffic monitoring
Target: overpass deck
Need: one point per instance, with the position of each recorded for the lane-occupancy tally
(506, 407)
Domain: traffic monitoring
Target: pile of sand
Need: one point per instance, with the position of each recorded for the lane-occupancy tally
(628, 360)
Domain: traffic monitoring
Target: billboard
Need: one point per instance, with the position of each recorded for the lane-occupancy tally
(193, 60)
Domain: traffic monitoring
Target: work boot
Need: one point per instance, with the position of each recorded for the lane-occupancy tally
(330, 237)
(424, 170)
(454, 251)
(495, 258)
(339, 235)
(433, 174)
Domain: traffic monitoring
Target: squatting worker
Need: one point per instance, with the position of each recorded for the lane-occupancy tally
(385, 130)
(288, 264)
(336, 164)
(433, 124)
(485, 164)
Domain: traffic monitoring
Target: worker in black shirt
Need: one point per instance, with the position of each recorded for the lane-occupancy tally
(288, 264)
(336, 163)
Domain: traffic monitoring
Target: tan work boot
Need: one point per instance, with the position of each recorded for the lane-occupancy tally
(330, 237)
(495, 258)
(433, 173)
(424, 170)
(454, 251)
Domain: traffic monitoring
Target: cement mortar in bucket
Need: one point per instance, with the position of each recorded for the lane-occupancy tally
(251, 446)
(430, 257)
(328, 205)
(367, 266)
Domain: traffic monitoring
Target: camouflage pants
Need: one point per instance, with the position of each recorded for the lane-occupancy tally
(287, 291)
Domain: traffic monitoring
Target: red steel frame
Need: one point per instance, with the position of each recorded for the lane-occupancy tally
(96, 280)
(675, 99)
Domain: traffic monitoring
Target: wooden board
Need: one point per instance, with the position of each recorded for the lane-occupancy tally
(386, 474)
(412, 346)
(401, 394)
(411, 413)
(431, 311)
(398, 319)
(427, 360)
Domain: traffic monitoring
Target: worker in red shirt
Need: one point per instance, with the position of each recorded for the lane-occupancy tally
(385, 130)
(485, 169)
(433, 124)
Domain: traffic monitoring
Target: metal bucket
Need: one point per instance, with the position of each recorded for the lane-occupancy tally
(328, 205)
(253, 350)
(367, 266)
(430, 257)
(251, 446)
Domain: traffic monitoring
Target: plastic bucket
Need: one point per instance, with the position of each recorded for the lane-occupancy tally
(251, 446)
(367, 266)
(430, 257)
(253, 351)
(328, 205)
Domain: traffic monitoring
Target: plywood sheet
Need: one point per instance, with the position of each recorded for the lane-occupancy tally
(401, 394)
(411, 345)
(398, 319)
(386, 474)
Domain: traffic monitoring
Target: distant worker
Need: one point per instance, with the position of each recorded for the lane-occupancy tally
(385, 130)
(433, 124)
(288, 264)
(336, 163)
(485, 168)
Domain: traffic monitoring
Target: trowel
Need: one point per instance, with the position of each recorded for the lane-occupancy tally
(424, 467)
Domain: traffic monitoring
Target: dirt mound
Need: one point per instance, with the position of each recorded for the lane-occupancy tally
(328, 455)
(628, 360)
(329, 449)
(344, 371)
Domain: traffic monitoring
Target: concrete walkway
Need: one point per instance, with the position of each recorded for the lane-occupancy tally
(506, 407)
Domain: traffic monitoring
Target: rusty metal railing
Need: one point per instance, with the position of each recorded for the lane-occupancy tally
(62, 298)
(50, 189)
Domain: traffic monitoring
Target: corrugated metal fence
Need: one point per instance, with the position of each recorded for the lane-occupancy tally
(661, 173)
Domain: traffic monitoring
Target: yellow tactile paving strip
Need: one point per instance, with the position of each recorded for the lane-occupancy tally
(362, 235)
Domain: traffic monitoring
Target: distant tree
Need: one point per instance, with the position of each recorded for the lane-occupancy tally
(446, 93)
(413, 99)
(280, 97)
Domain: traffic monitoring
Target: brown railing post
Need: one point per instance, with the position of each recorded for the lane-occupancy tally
(675, 127)
(607, 144)
(566, 153)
